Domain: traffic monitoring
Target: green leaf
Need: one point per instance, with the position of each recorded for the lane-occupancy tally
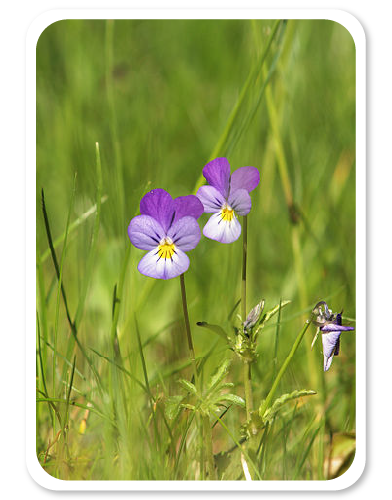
(188, 386)
(188, 406)
(172, 406)
(271, 412)
(219, 375)
(233, 398)
(214, 328)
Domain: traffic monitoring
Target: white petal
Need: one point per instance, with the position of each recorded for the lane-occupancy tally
(160, 268)
(222, 230)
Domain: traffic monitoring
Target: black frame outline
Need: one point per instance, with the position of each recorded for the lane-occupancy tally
(370, 107)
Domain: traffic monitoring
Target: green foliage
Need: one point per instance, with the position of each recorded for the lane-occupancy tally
(271, 412)
(208, 401)
(161, 98)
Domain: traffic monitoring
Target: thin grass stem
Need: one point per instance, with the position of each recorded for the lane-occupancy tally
(202, 436)
(246, 364)
(188, 330)
(268, 399)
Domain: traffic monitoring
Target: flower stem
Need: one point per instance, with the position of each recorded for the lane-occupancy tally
(247, 367)
(199, 419)
(248, 388)
(244, 256)
(188, 329)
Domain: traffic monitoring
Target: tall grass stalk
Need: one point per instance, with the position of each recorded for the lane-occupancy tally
(231, 123)
(203, 422)
(268, 400)
(295, 227)
(60, 281)
(109, 69)
(246, 363)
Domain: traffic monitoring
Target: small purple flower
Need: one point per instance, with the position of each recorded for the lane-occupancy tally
(167, 228)
(331, 328)
(225, 197)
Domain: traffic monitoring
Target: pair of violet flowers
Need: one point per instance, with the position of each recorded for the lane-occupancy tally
(168, 228)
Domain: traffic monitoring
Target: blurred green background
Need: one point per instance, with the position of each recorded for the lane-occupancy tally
(162, 98)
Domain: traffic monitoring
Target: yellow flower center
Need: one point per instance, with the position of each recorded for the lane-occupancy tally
(227, 213)
(166, 249)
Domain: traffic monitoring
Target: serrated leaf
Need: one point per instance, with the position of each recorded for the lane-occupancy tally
(219, 375)
(226, 385)
(172, 406)
(271, 412)
(233, 398)
(188, 406)
(188, 386)
(213, 328)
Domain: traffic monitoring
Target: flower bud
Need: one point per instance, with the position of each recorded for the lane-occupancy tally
(253, 316)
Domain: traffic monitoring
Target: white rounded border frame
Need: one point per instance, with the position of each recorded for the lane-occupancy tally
(356, 30)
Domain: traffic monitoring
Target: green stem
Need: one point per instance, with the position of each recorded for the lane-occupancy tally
(196, 377)
(208, 443)
(244, 256)
(271, 393)
(247, 367)
(188, 330)
(248, 389)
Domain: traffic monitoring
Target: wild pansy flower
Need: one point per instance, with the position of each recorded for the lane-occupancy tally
(331, 327)
(167, 228)
(226, 197)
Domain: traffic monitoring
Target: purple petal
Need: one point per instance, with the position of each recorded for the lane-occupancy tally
(330, 341)
(185, 233)
(145, 232)
(240, 201)
(217, 173)
(244, 178)
(187, 205)
(160, 268)
(159, 205)
(337, 348)
(211, 198)
(332, 327)
(221, 230)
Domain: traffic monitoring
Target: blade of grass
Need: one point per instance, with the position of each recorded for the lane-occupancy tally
(119, 181)
(221, 145)
(124, 370)
(306, 453)
(56, 266)
(268, 399)
(42, 371)
(60, 281)
(277, 339)
(151, 398)
(94, 242)
(72, 227)
(241, 448)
